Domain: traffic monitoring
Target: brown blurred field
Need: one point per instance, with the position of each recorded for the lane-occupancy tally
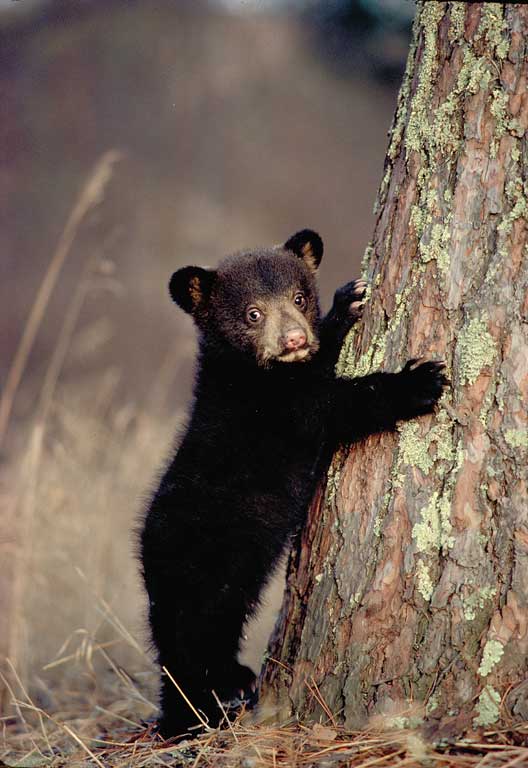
(226, 132)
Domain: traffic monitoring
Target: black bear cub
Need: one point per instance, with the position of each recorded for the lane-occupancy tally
(268, 412)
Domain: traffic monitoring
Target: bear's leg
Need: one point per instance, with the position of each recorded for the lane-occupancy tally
(179, 718)
(198, 643)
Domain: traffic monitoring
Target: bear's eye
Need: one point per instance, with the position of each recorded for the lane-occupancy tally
(299, 300)
(253, 315)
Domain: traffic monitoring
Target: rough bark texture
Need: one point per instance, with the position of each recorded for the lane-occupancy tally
(408, 595)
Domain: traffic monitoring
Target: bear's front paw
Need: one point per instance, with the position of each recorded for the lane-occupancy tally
(349, 301)
(421, 385)
(239, 684)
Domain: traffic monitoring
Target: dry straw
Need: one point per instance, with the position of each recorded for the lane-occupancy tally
(91, 195)
(101, 741)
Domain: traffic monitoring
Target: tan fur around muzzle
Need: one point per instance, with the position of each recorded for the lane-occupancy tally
(281, 316)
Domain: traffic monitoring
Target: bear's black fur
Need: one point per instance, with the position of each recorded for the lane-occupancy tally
(268, 412)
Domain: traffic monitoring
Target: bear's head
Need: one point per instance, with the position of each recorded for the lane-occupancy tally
(262, 303)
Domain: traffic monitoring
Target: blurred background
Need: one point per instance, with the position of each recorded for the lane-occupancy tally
(137, 137)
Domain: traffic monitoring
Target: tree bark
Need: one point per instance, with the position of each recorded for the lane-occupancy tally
(408, 594)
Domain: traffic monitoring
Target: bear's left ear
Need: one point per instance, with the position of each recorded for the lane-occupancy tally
(308, 246)
(190, 288)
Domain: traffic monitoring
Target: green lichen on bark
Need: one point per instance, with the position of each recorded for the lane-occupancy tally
(440, 131)
(370, 360)
(479, 74)
(476, 601)
(403, 98)
(413, 449)
(498, 108)
(437, 445)
(334, 474)
(346, 353)
(418, 126)
(492, 654)
(516, 438)
(403, 722)
(442, 435)
(517, 196)
(432, 703)
(475, 349)
(492, 27)
(438, 246)
(457, 20)
(491, 30)
(381, 514)
(445, 130)
(441, 136)
(424, 583)
(373, 357)
(434, 530)
(487, 707)
(437, 134)
(366, 260)
(486, 405)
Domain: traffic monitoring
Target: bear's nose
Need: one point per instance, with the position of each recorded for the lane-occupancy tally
(294, 339)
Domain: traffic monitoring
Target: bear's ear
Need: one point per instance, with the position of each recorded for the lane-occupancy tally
(308, 246)
(190, 287)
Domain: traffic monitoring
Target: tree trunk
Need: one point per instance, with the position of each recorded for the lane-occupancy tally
(408, 594)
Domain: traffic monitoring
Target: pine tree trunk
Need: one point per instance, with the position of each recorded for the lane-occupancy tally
(408, 594)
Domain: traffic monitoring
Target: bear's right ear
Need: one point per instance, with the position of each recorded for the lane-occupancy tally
(190, 287)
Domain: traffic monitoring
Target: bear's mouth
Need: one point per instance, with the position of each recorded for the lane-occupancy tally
(295, 356)
(298, 355)
(303, 355)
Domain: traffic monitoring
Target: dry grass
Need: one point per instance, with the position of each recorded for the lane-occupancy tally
(111, 739)
(74, 485)
(91, 195)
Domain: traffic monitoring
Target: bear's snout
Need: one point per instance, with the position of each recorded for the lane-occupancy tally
(294, 339)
